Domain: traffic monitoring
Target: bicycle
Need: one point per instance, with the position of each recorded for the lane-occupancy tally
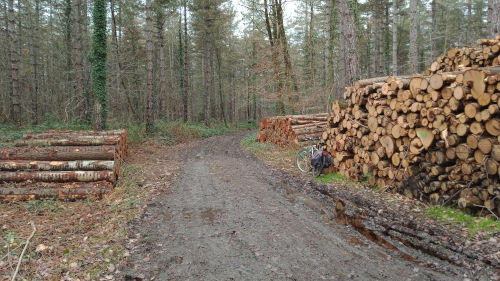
(305, 155)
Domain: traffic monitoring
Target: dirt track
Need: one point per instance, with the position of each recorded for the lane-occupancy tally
(227, 217)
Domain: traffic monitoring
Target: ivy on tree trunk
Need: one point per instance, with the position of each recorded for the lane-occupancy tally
(99, 51)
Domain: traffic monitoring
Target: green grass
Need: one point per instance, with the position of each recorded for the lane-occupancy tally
(250, 142)
(284, 157)
(459, 217)
(336, 177)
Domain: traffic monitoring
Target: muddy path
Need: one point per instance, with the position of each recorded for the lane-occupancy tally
(228, 216)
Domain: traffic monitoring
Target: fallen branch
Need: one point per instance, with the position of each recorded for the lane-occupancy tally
(484, 207)
(24, 250)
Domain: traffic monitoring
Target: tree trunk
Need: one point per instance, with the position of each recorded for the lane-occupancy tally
(207, 83)
(43, 190)
(395, 20)
(221, 95)
(433, 29)
(149, 69)
(349, 42)
(413, 36)
(291, 78)
(99, 71)
(83, 165)
(116, 49)
(377, 18)
(271, 33)
(34, 34)
(15, 110)
(185, 90)
(68, 22)
(79, 84)
(53, 153)
(71, 141)
(163, 79)
(493, 18)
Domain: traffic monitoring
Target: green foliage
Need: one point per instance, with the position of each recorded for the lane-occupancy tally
(336, 177)
(40, 206)
(10, 242)
(99, 54)
(9, 133)
(171, 132)
(459, 217)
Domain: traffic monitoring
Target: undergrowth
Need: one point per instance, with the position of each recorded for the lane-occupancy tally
(165, 132)
(285, 157)
(456, 216)
(10, 132)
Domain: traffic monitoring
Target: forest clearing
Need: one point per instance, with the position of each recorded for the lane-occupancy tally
(158, 140)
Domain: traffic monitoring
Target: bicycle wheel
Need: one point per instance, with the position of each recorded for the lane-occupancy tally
(316, 170)
(303, 160)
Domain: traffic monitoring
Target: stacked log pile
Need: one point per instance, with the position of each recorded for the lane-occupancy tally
(432, 138)
(62, 164)
(486, 53)
(292, 130)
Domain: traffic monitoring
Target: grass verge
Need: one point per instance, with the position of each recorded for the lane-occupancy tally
(283, 157)
(473, 224)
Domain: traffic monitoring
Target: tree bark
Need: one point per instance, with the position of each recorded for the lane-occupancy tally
(83, 165)
(160, 22)
(395, 20)
(35, 49)
(149, 69)
(493, 18)
(377, 18)
(272, 37)
(185, 90)
(15, 110)
(67, 190)
(65, 153)
(349, 43)
(291, 78)
(79, 84)
(413, 36)
(57, 176)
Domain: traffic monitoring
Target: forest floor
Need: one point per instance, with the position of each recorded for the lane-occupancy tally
(213, 210)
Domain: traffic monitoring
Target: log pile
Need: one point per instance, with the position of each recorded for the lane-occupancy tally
(62, 164)
(432, 138)
(292, 130)
(486, 53)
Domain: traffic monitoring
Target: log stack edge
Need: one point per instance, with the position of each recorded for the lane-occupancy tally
(292, 130)
(62, 164)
